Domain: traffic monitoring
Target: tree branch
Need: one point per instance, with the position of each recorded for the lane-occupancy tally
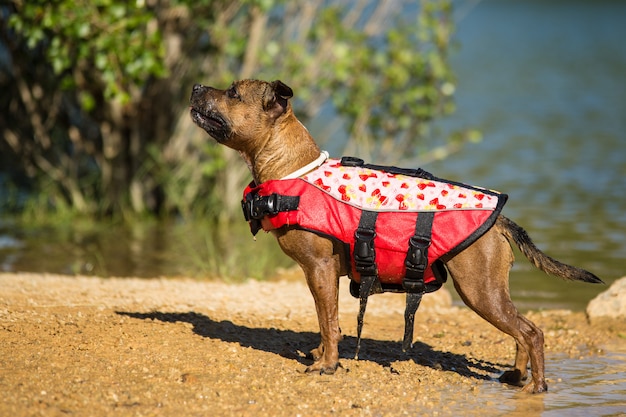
(255, 38)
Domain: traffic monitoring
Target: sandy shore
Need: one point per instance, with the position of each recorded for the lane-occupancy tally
(134, 347)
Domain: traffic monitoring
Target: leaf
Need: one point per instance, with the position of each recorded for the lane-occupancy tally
(87, 101)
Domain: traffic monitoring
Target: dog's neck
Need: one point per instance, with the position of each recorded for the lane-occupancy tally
(285, 151)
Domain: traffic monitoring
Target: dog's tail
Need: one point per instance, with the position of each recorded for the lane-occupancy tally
(517, 234)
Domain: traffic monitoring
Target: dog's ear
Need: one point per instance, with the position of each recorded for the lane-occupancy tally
(277, 98)
(281, 89)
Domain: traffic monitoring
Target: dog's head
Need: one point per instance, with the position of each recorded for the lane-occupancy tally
(244, 112)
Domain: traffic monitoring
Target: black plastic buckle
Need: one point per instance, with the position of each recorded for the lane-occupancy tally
(417, 257)
(246, 207)
(264, 206)
(257, 207)
(416, 263)
(364, 254)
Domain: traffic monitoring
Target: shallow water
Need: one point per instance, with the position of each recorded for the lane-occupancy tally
(589, 386)
(592, 386)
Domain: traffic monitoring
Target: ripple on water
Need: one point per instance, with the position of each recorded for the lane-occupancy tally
(586, 386)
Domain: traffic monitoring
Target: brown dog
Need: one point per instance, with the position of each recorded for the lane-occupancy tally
(256, 119)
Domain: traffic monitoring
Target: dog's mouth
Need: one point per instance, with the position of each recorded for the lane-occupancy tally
(212, 123)
(211, 120)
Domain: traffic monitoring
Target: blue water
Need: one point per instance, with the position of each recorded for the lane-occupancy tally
(545, 81)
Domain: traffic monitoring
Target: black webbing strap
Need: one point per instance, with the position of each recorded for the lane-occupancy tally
(416, 263)
(365, 265)
(417, 256)
(350, 161)
(413, 300)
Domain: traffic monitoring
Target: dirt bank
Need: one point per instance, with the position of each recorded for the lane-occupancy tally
(132, 347)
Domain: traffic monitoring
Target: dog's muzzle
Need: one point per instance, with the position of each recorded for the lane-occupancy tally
(204, 115)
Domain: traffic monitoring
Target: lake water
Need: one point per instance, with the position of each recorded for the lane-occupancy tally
(590, 386)
(545, 81)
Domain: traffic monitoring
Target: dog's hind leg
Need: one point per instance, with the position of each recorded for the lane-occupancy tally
(519, 372)
(481, 277)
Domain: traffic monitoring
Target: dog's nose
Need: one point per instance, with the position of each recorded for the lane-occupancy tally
(197, 87)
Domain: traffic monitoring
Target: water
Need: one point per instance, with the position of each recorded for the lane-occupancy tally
(144, 249)
(591, 386)
(543, 81)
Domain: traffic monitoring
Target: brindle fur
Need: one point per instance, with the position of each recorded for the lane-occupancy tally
(256, 119)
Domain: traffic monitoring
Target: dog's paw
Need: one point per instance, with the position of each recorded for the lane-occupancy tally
(535, 388)
(513, 377)
(321, 369)
(316, 354)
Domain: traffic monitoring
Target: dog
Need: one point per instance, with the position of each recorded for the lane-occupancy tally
(256, 119)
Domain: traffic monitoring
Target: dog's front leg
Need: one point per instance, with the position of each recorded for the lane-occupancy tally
(323, 283)
(321, 267)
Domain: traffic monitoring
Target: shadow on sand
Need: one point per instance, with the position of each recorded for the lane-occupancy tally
(290, 344)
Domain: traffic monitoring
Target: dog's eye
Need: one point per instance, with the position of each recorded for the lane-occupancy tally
(232, 93)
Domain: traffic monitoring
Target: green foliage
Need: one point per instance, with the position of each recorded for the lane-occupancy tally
(118, 39)
(388, 81)
(98, 90)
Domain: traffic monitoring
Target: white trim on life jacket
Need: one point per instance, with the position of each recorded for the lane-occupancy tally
(319, 161)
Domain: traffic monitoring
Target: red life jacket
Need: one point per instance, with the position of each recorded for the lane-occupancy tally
(331, 200)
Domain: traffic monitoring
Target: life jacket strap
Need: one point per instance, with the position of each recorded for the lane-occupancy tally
(413, 300)
(351, 161)
(416, 263)
(416, 260)
(367, 282)
(364, 252)
(365, 264)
